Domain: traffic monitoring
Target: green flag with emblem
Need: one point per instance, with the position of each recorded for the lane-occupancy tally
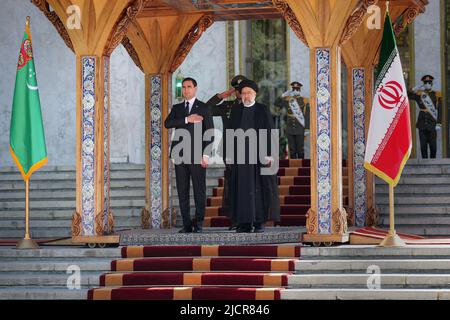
(26, 137)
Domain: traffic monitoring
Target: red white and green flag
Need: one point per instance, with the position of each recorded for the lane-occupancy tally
(389, 140)
(26, 137)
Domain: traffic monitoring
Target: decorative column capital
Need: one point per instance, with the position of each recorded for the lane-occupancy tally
(355, 20)
(190, 39)
(290, 18)
(120, 29)
(55, 20)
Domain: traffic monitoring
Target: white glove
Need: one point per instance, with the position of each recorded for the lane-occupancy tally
(416, 88)
(438, 126)
(306, 132)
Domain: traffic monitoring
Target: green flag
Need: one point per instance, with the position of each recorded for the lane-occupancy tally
(26, 136)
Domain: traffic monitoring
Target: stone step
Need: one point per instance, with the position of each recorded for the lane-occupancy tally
(42, 279)
(96, 264)
(385, 266)
(443, 199)
(60, 252)
(422, 230)
(365, 294)
(428, 162)
(67, 194)
(415, 209)
(114, 174)
(68, 204)
(425, 169)
(375, 252)
(42, 293)
(67, 184)
(425, 189)
(419, 179)
(43, 213)
(20, 224)
(70, 184)
(415, 220)
(386, 281)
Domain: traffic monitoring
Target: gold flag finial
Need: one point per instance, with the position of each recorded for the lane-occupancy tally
(28, 19)
(387, 7)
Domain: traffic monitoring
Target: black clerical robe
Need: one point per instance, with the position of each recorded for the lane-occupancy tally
(254, 197)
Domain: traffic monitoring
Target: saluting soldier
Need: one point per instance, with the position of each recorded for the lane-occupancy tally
(297, 124)
(222, 108)
(430, 115)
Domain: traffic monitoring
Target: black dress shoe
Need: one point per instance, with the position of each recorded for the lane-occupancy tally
(259, 229)
(185, 230)
(243, 230)
(197, 229)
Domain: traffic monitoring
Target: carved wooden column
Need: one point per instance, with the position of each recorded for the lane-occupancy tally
(157, 180)
(102, 27)
(361, 184)
(323, 25)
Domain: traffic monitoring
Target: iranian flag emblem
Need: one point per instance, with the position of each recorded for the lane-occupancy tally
(389, 140)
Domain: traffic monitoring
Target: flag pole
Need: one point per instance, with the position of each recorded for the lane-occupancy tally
(27, 242)
(392, 239)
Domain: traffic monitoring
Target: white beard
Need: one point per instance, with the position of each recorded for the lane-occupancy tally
(248, 104)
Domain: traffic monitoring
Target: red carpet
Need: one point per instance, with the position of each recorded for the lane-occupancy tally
(294, 185)
(371, 235)
(183, 272)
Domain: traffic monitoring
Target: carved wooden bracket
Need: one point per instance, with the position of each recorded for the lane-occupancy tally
(132, 52)
(406, 18)
(110, 222)
(311, 221)
(372, 217)
(54, 19)
(190, 39)
(339, 221)
(291, 19)
(76, 224)
(99, 221)
(355, 20)
(145, 218)
(350, 216)
(120, 29)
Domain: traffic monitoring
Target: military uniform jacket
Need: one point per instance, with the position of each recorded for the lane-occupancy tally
(425, 120)
(222, 110)
(293, 126)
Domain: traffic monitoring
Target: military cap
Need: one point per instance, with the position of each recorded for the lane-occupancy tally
(237, 80)
(296, 84)
(247, 83)
(427, 78)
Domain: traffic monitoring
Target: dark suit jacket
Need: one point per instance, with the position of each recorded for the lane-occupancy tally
(176, 119)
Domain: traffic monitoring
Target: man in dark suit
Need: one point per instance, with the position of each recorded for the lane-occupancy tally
(191, 161)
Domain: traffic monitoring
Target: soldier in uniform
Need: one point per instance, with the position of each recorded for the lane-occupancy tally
(430, 115)
(222, 108)
(297, 124)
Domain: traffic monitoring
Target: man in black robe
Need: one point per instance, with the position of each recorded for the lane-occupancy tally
(253, 192)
